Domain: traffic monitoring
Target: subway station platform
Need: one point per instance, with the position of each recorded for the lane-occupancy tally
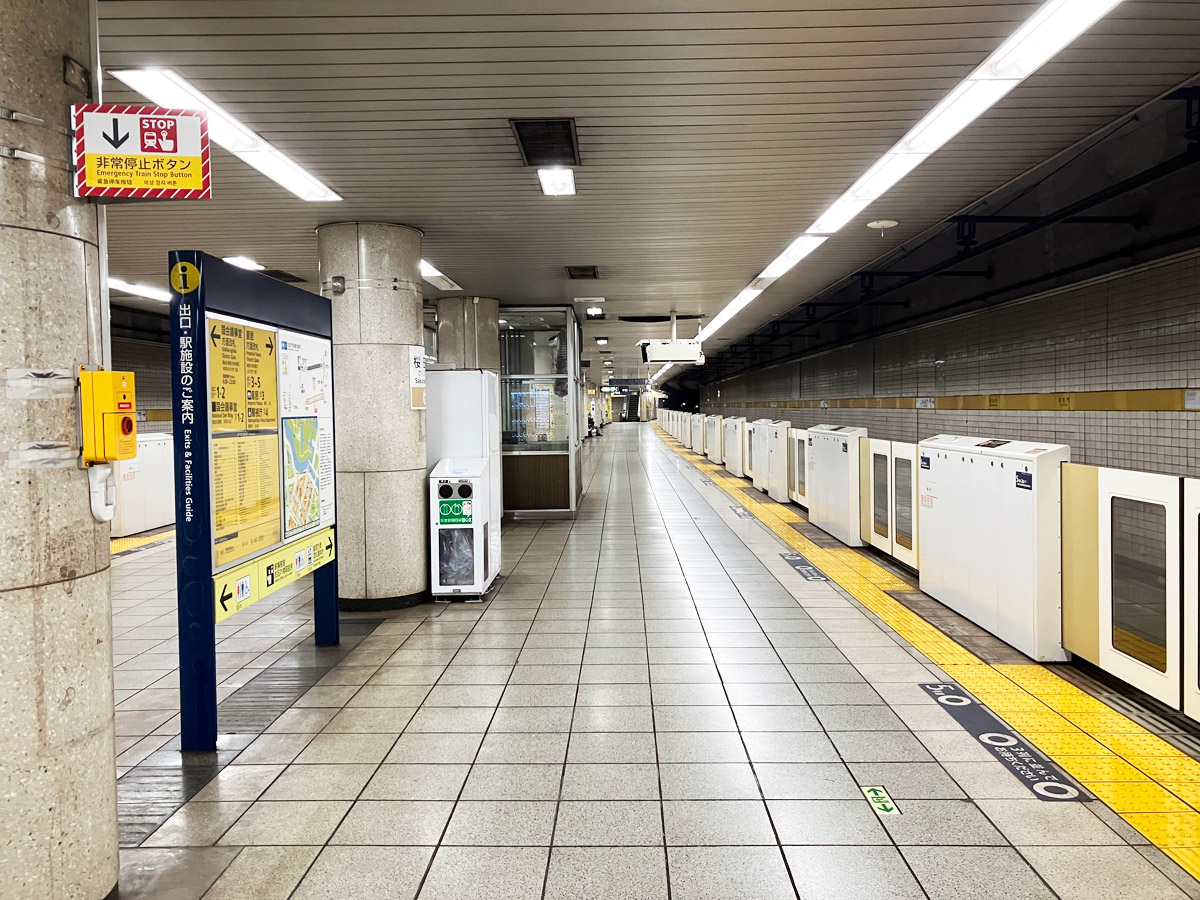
(656, 704)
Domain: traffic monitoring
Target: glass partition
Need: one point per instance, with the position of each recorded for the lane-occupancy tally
(879, 477)
(903, 492)
(1139, 580)
(536, 414)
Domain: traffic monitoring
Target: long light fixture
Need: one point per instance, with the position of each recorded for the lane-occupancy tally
(169, 89)
(1055, 25)
(139, 290)
(557, 181)
(430, 273)
(244, 262)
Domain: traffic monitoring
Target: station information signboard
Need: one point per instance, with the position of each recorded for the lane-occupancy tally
(253, 427)
(147, 152)
(271, 451)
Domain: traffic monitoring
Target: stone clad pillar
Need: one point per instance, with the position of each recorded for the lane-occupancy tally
(468, 333)
(58, 833)
(370, 271)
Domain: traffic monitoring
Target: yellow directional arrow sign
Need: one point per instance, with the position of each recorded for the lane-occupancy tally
(244, 585)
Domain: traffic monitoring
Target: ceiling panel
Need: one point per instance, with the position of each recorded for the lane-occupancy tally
(710, 134)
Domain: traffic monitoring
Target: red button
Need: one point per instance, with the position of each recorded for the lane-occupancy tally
(126, 425)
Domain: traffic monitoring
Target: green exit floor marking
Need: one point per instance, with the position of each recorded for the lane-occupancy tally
(879, 799)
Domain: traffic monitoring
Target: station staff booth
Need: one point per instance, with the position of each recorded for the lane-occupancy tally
(714, 438)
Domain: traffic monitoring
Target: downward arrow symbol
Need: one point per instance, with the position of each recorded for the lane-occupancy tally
(116, 139)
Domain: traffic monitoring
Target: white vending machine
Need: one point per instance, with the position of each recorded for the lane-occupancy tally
(833, 481)
(466, 487)
(991, 536)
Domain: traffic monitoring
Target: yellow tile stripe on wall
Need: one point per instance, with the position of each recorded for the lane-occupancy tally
(1150, 784)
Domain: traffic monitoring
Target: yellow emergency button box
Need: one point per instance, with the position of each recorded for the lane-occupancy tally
(109, 412)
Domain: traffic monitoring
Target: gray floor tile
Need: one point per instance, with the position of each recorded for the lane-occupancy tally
(697, 747)
(400, 822)
(513, 782)
(610, 781)
(858, 718)
(829, 822)
(501, 824)
(611, 747)
(807, 781)
(776, 718)
(724, 873)
(942, 822)
(501, 747)
(694, 718)
(909, 781)
(416, 781)
(271, 873)
(459, 872)
(607, 873)
(1086, 873)
(975, 873)
(609, 823)
(708, 781)
(1036, 822)
(613, 718)
(852, 873)
(879, 746)
(287, 822)
(531, 719)
(613, 695)
(320, 782)
(435, 748)
(691, 823)
(789, 746)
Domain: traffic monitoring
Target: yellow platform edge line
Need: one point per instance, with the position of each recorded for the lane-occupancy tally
(1124, 764)
(120, 545)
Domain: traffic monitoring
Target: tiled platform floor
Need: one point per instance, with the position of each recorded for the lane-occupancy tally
(656, 705)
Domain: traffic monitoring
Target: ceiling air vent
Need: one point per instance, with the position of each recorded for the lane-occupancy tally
(280, 275)
(576, 272)
(546, 142)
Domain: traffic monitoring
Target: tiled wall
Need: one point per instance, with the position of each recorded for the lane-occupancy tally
(151, 365)
(1138, 330)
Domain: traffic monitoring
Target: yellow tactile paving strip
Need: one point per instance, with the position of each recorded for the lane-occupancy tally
(1150, 784)
(120, 545)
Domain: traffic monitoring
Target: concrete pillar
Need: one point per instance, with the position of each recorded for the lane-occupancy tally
(382, 502)
(468, 330)
(58, 833)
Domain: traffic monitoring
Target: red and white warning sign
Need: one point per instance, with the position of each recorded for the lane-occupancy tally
(141, 151)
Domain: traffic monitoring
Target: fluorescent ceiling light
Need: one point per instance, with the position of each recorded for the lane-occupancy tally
(735, 306)
(594, 311)
(169, 89)
(139, 290)
(557, 181)
(589, 299)
(796, 251)
(661, 372)
(244, 262)
(1049, 30)
(502, 321)
(602, 341)
(436, 278)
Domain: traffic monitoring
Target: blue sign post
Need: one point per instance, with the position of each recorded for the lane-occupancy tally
(252, 391)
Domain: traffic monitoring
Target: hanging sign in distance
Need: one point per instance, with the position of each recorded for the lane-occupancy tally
(146, 152)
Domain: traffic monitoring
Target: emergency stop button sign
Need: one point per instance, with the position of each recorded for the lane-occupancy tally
(141, 151)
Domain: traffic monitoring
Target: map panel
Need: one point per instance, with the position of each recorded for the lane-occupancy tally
(306, 407)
